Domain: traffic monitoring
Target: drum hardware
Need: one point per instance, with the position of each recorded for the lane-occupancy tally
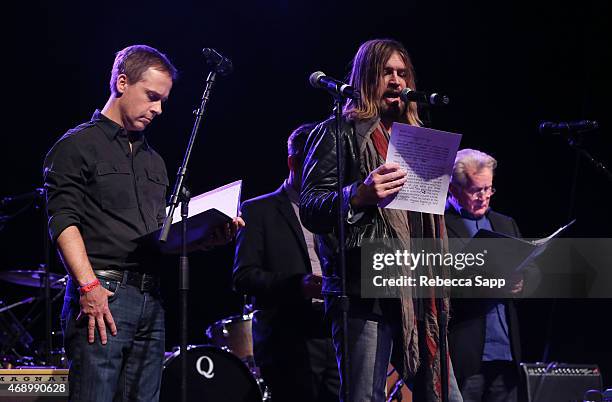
(13, 333)
(234, 334)
(397, 390)
(15, 361)
(19, 303)
(266, 394)
(248, 308)
(33, 278)
(6, 362)
(13, 206)
(42, 277)
(16, 342)
(58, 359)
(57, 356)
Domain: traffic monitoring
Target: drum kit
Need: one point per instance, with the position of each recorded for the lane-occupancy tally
(223, 370)
(18, 348)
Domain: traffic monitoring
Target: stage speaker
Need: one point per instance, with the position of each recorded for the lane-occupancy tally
(559, 382)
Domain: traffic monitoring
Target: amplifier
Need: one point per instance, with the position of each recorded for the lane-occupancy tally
(34, 384)
(559, 382)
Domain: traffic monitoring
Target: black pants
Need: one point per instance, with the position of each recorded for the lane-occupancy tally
(309, 375)
(495, 382)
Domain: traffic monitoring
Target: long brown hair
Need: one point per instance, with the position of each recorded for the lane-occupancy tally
(367, 73)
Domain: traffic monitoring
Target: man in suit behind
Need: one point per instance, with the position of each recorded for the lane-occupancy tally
(277, 264)
(484, 337)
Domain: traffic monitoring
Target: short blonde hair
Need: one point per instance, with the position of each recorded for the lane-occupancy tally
(134, 60)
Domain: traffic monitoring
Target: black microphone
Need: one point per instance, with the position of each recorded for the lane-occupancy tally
(410, 95)
(318, 79)
(220, 64)
(566, 127)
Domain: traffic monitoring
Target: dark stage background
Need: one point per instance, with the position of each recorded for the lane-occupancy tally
(505, 66)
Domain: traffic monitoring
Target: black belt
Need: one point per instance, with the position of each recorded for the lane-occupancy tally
(144, 282)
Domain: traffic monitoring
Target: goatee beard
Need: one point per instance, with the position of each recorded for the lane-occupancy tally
(394, 112)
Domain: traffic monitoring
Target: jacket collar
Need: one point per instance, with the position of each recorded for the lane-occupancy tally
(286, 210)
(363, 130)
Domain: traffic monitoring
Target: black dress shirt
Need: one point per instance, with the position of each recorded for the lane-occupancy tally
(112, 194)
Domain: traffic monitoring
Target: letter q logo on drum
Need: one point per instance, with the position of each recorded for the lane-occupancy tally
(211, 367)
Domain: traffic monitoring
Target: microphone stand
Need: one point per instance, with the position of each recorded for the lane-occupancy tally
(180, 194)
(47, 279)
(442, 337)
(574, 140)
(442, 320)
(343, 298)
(576, 143)
(442, 324)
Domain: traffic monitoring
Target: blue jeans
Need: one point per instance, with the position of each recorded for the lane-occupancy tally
(129, 366)
(370, 351)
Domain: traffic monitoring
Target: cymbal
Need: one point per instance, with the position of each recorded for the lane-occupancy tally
(32, 278)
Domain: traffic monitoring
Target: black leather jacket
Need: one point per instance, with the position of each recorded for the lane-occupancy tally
(318, 200)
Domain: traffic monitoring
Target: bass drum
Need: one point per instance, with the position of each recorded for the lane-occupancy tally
(212, 375)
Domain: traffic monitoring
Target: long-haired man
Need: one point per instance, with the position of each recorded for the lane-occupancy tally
(405, 329)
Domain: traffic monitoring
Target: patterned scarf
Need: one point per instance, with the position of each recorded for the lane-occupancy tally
(419, 315)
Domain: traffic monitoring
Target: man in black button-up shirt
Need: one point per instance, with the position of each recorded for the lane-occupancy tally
(111, 193)
(105, 187)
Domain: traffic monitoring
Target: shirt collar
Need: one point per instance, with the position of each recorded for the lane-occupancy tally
(111, 129)
(451, 202)
(293, 195)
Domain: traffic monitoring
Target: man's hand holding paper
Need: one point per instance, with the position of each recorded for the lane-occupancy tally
(221, 235)
(427, 157)
(380, 186)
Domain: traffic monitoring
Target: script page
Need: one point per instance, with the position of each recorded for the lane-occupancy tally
(428, 156)
(225, 199)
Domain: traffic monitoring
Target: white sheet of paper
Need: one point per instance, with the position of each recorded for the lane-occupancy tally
(226, 199)
(428, 156)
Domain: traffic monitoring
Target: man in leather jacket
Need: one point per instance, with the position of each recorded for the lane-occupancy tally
(379, 330)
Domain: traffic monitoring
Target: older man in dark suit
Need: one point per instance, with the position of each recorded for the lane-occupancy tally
(484, 337)
(277, 264)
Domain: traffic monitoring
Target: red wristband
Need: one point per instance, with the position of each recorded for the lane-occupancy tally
(89, 286)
